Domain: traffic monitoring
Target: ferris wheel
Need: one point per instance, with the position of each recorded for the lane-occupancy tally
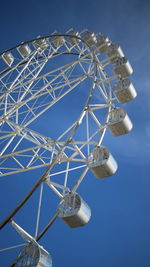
(59, 95)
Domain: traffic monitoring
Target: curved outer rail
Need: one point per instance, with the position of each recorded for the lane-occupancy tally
(44, 175)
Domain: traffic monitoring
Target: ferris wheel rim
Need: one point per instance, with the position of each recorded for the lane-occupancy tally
(89, 96)
(86, 109)
(42, 178)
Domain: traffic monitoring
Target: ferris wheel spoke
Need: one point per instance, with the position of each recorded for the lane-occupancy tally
(39, 210)
(9, 70)
(87, 132)
(24, 80)
(103, 92)
(35, 154)
(29, 134)
(104, 129)
(46, 72)
(56, 191)
(34, 95)
(16, 80)
(7, 145)
(78, 150)
(12, 247)
(80, 179)
(95, 119)
(64, 188)
(12, 171)
(85, 143)
(47, 146)
(67, 170)
(27, 89)
(19, 104)
(52, 220)
(18, 163)
(56, 100)
(66, 177)
(66, 131)
(34, 78)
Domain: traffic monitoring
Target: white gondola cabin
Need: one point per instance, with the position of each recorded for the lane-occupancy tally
(8, 58)
(58, 40)
(122, 67)
(102, 43)
(33, 255)
(124, 91)
(41, 43)
(114, 51)
(24, 50)
(89, 38)
(73, 210)
(101, 162)
(72, 40)
(119, 122)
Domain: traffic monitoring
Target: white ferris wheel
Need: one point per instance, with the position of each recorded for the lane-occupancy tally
(59, 94)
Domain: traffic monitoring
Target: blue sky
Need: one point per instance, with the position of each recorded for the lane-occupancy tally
(119, 231)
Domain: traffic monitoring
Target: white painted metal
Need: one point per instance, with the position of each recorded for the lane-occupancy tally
(89, 38)
(119, 122)
(32, 254)
(73, 41)
(101, 162)
(58, 40)
(32, 86)
(24, 50)
(102, 43)
(124, 91)
(74, 211)
(41, 43)
(39, 210)
(114, 51)
(12, 247)
(122, 67)
(8, 58)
